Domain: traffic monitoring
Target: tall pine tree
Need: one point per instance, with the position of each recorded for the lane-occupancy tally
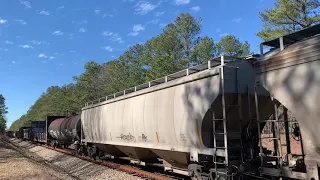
(288, 16)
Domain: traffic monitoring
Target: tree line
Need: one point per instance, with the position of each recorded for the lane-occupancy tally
(3, 112)
(179, 46)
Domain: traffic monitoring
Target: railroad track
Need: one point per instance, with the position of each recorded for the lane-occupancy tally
(152, 173)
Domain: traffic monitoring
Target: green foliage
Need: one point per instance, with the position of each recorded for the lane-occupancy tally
(3, 112)
(231, 46)
(288, 16)
(177, 47)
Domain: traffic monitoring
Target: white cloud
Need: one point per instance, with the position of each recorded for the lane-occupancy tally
(236, 20)
(143, 7)
(136, 29)
(26, 46)
(108, 48)
(35, 42)
(109, 15)
(224, 34)
(42, 56)
(60, 7)
(20, 21)
(71, 36)
(4, 49)
(195, 9)
(43, 12)
(80, 22)
(96, 12)
(13, 62)
(162, 25)
(2, 21)
(218, 30)
(26, 4)
(45, 56)
(8, 42)
(182, 2)
(160, 13)
(58, 33)
(113, 36)
(107, 33)
(82, 30)
(155, 21)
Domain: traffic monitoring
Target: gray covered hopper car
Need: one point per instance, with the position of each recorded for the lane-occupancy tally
(182, 118)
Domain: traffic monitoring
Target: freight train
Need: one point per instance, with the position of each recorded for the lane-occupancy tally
(207, 121)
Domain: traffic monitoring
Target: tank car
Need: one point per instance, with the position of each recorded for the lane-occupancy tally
(195, 120)
(64, 131)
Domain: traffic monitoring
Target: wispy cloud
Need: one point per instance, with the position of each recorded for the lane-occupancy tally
(82, 30)
(113, 36)
(136, 29)
(143, 7)
(195, 9)
(109, 15)
(2, 21)
(218, 30)
(154, 21)
(35, 42)
(107, 48)
(160, 13)
(96, 11)
(45, 56)
(57, 33)
(26, 46)
(26, 4)
(42, 56)
(182, 2)
(162, 25)
(8, 42)
(20, 21)
(4, 49)
(237, 20)
(224, 34)
(71, 36)
(43, 12)
(60, 7)
(80, 22)
(13, 62)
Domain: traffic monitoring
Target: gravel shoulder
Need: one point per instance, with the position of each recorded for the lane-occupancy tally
(13, 165)
(75, 168)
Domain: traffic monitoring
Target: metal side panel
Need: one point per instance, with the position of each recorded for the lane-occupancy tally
(297, 86)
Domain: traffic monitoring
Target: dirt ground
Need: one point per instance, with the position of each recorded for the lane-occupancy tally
(14, 165)
(295, 145)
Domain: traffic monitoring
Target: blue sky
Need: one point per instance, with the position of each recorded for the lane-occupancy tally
(45, 43)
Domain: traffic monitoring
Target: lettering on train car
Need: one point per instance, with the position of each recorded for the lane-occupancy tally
(128, 137)
(143, 138)
(184, 137)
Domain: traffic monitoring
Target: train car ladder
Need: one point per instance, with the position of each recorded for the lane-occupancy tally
(238, 105)
(275, 128)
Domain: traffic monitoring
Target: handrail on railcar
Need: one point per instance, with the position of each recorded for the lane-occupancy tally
(218, 61)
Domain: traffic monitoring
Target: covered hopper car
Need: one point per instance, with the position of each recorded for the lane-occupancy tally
(207, 121)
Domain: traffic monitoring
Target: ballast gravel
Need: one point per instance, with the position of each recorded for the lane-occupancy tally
(77, 168)
(13, 165)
